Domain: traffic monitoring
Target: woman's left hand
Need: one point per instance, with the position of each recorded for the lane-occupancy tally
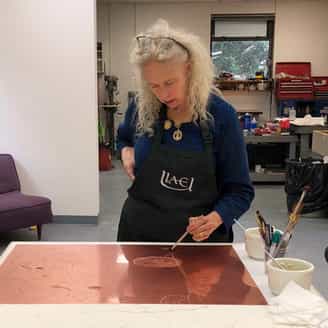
(201, 227)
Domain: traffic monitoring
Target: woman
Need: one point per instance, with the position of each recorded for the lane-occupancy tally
(181, 145)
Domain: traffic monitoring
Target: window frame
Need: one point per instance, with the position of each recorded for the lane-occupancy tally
(270, 21)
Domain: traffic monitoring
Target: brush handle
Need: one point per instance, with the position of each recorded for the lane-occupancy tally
(283, 242)
(298, 208)
(179, 240)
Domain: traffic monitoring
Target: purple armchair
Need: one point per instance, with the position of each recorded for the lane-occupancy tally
(16, 209)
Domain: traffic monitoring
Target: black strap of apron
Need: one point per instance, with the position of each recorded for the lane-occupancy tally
(159, 127)
(208, 142)
(207, 135)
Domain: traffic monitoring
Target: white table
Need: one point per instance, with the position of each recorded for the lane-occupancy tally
(152, 315)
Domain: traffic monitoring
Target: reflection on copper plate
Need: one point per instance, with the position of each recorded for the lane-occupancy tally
(62, 287)
(174, 299)
(157, 262)
(94, 287)
(247, 280)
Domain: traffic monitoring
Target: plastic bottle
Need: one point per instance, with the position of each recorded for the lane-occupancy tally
(292, 113)
(253, 124)
(307, 110)
(247, 121)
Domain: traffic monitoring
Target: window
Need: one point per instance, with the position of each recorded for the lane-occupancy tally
(242, 45)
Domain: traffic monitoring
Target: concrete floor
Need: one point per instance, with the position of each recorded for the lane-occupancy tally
(308, 242)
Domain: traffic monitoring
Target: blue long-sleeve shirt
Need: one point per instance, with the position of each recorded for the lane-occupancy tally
(229, 154)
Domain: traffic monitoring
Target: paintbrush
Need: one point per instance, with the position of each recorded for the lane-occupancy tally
(261, 224)
(293, 219)
(294, 216)
(183, 236)
(280, 265)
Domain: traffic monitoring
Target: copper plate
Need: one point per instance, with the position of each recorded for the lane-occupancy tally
(110, 273)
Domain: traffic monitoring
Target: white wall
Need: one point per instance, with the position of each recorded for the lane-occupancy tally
(128, 19)
(300, 32)
(48, 117)
(122, 29)
(195, 17)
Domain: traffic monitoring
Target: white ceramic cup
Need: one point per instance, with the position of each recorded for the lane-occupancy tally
(254, 243)
(258, 168)
(298, 270)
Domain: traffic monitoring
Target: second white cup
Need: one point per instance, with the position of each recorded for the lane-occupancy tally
(254, 243)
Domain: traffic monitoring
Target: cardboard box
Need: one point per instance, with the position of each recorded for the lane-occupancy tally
(320, 142)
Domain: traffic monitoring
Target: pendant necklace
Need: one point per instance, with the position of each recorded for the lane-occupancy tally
(177, 133)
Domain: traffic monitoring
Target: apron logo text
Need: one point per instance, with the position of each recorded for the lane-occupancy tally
(178, 184)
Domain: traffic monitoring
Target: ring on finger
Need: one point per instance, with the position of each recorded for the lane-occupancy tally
(203, 234)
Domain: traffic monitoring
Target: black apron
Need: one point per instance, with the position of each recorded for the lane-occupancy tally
(171, 186)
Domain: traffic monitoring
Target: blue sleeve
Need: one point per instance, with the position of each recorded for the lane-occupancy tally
(236, 190)
(126, 130)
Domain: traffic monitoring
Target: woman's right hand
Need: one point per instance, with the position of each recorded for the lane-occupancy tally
(127, 156)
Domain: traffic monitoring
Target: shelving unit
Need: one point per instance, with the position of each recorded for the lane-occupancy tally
(269, 176)
(272, 175)
(258, 91)
(244, 85)
(100, 59)
(296, 89)
(254, 112)
(110, 110)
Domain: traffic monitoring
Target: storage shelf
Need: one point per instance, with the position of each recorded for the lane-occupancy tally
(269, 176)
(270, 139)
(245, 92)
(243, 85)
(272, 175)
(250, 111)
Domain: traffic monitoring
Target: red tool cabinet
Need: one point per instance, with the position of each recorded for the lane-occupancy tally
(320, 87)
(299, 85)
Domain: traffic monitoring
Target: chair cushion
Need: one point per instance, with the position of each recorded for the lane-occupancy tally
(18, 210)
(16, 200)
(8, 174)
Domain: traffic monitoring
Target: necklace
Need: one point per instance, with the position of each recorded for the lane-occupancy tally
(177, 134)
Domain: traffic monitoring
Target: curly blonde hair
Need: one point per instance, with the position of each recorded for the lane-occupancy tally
(162, 43)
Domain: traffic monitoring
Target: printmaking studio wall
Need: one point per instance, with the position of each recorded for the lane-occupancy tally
(297, 22)
(48, 104)
(301, 33)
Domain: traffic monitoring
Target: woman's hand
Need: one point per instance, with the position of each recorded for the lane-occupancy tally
(201, 227)
(127, 156)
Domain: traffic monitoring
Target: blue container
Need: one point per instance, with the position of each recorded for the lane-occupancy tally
(247, 121)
